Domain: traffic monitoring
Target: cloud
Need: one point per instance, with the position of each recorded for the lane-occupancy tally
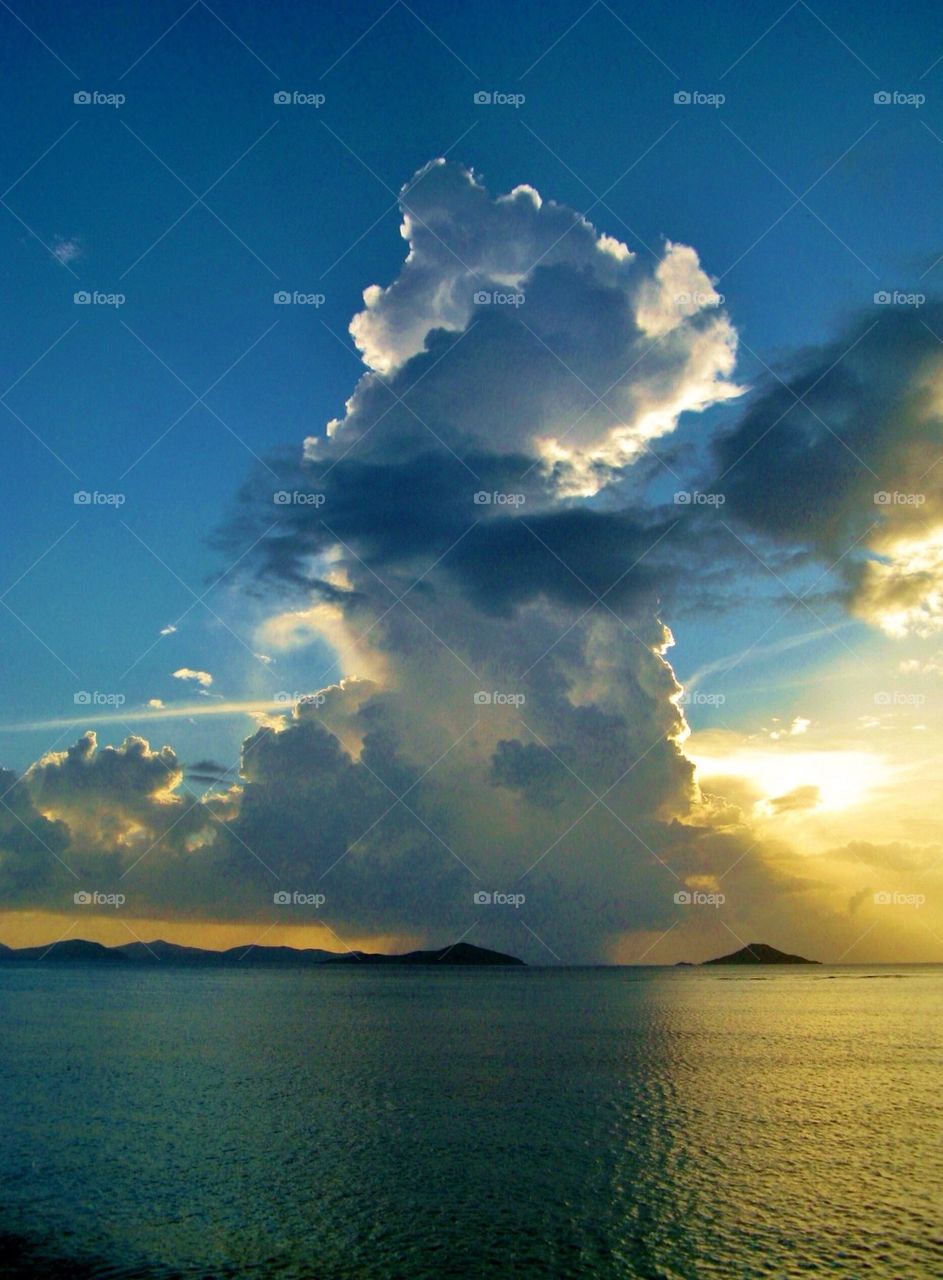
(798, 726)
(932, 666)
(562, 344)
(89, 786)
(113, 819)
(898, 855)
(208, 771)
(836, 456)
(800, 798)
(66, 250)
(154, 704)
(480, 552)
(93, 812)
(32, 845)
(202, 678)
(499, 713)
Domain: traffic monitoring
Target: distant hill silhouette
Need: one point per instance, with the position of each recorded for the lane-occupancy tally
(459, 953)
(71, 949)
(760, 953)
(160, 952)
(150, 954)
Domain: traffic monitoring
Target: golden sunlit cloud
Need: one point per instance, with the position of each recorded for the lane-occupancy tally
(296, 628)
(832, 779)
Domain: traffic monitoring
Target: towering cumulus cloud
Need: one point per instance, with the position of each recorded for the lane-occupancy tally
(499, 739)
(573, 350)
(481, 552)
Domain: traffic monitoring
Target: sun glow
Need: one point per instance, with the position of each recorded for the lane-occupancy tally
(823, 780)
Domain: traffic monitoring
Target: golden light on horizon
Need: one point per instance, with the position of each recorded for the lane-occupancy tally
(42, 928)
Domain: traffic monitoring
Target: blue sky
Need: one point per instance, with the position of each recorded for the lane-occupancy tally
(597, 100)
(197, 197)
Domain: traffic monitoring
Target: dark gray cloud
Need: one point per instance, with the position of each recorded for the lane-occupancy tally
(840, 458)
(797, 800)
(31, 845)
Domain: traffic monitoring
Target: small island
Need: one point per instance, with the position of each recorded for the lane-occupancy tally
(458, 953)
(760, 953)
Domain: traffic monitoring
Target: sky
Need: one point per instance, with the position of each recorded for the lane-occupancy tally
(472, 472)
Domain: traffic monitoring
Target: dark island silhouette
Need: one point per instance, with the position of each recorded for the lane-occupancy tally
(760, 953)
(76, 950)
(458, 953)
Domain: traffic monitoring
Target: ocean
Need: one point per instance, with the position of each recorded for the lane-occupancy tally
(380, 1124)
